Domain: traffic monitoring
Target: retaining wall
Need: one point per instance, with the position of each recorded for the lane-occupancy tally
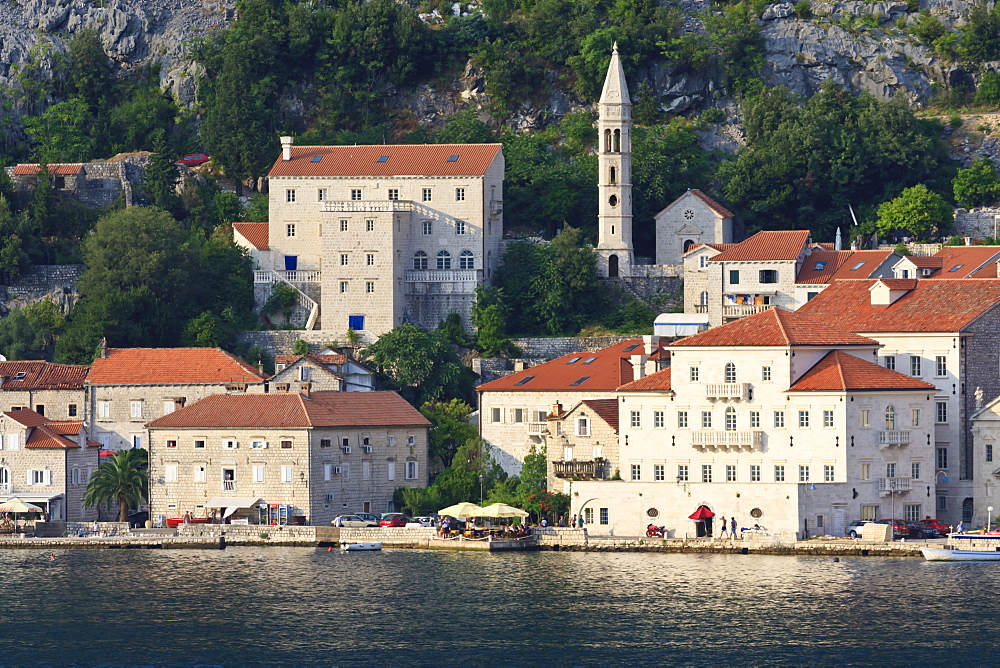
(976, 223)
(254, 534)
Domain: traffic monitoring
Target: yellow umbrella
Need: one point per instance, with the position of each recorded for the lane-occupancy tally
(464, 509)
(503, 510)
(16, 505)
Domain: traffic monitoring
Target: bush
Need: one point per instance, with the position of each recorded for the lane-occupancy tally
(713, 115)
(802, 9)
(988, 91)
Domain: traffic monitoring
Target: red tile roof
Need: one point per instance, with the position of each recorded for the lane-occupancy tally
(712, 204)
(48, 434)
(42, 375)
(776, 327)
(255, 233)
(718, 247)
(898, 283)
(766, 245)
(56, 168)
(842, 371)
(658, 381)
(602, 370)
(171, 366)
(929, 306)
(606, 409)
(926, 262)
(840, 264)
(401, 160)
(321, 409)
(320, 359)
(966, 261)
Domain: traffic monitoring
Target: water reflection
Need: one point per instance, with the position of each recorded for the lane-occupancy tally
(246, 605)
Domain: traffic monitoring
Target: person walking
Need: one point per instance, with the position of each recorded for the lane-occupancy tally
(544, 522)
(572, 523)
(580, 520)
(722, 526)
(732, 527)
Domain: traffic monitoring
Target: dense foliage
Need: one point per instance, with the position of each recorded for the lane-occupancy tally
(122, 478)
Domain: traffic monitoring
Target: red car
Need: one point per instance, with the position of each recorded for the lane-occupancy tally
(394, 520)
(937, 526)
(193, 160)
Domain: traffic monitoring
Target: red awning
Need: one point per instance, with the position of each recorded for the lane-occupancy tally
(107, 453)
(703, 513)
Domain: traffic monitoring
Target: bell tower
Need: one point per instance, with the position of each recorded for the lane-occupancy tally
(614, 220)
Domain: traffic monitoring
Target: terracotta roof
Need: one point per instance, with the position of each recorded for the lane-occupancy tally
(606, 409)
(929, 306)
(48, 434)
(766, 245)
(42, 375)
(321, 359)
(718, 247)
(897, 283)
(927, 262)
(712, 204)
(840, 264)
(321, 409)
(400, 160)
(842, 371)
(602, 370)
(967, 261)
(171, 366)
(655, 381)
(56, 168)
(776, 327)
(255, 233)
(26, 417)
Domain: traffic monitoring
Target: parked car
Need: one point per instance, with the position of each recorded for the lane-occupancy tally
(394, 520)
(137, 518)
(854, 528)
(193, 160)
(353, 522)
(368, 516)
(938, 527)
(900, 529)
(426, 521)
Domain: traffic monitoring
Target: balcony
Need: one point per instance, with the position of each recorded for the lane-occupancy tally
(701, 308)
(228, 485)
(288, 276)
(592, 470)
(740, 310)
(386, 206)
(888, 438)
(727, 440)
(537, 428)
(496, 206)
(726, 391)
(887, 486)
(441, 276)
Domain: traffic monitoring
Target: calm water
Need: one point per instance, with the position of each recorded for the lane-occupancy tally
(301, 606)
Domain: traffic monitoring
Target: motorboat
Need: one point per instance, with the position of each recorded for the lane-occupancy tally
(361, 547)
(966, 547)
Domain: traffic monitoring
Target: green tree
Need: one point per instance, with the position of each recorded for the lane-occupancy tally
(160, 177)
(489, 316)
(31, 332)
(62, 133)
(89, 74)
(567, 290)
(122, 479)
(451, 428)
(978, 185)
(300, 348)
(226, 208)
(257, 211)
(464, 128)
(917, 210)
(980, 36)
(988, 91)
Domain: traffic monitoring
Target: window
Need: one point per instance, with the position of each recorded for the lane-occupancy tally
(199, 445)
(169, 407)
(518, 415)
(286, 445)
(199, 473)
(803, 473)
(730, 472)
(588, 515)
(765, 374)
(72, 410)
(890, 418)
(734, 276)
(171, 473)
(393, 194)
(420, 261)
(103, 409)
(230, 444)
(286, 474)
(779, 473)
(258, 473)
(466, 260)
(369, 226)
(706, 473)
(827, 418)
(659, 474)
(940, 365)
(604, 516)
(866, 471)
(755, 419)
(911, 512)
(693, 374)
(730, 372)
(828, 473)
(869, 513)
(706, 419)
(915, 470)
(635, 419)
(135, 409)
(459, 227)
(755, 473)
(343, 226)
(890, 362)
(428, 227)
(915, 366)
(444, 260)
(819, 521)
(344, 285)
(657, 419)
(369, 287)
(370, 259)
(942, 502)
(355, 195)
(459, 194)
(391, 439)
(344, 259)
(425, 195)
(636, 472)
(989, 452)
(730, 418)
(391, 470)
(890, 470)
(941, 416)
(682, 419)
(411, 470)
(915, 417)
(356, 322)
(290, 195)
(864, 418)
(768, 275)
(779, 419)
(942, 458)
(136, 441)
(583, 426)
(803, 419)
(682, 473)
(321, 194)
(702, 262)
(496, 413)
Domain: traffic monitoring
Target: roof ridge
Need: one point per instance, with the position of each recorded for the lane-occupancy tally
(840, 368)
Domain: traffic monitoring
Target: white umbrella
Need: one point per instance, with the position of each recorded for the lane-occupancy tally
(503, 510)
(464, 509)
(16, 505)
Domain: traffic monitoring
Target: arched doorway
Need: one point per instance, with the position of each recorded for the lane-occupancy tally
(967, 511)
(613, 266)
(703, 517)
(687, 244)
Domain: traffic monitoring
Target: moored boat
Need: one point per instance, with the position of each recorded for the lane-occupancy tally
(361, 547)
(966, 547)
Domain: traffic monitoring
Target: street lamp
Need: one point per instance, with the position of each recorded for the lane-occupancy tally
(480, 489)
(989, 516)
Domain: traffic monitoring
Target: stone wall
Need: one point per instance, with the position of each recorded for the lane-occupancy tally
(262, 534)
(665, 292)
(562, 536)
(281, 341)
(57, 281)
(551, 347)
(976, 223)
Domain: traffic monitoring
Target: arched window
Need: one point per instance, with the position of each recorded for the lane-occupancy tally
(613, 179)
(687, 244)
(618, 141)
(444, 260)
(613, 266)
(890, 418)
(420, 260)
(703, 300)
(730, 419)
(466, 260)
(607, 141)
(730, 372)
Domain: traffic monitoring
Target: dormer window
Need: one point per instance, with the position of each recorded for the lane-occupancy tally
(20, 375)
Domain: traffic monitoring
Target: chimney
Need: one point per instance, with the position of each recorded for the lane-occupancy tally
(260, 365)
(518, 365)
(286, 148)
(638, 366)
(305, 388)
(557, 408)
(838, 244)
(650, 344)
(104, 347)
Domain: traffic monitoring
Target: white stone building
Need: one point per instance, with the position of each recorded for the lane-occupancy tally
(325, 370)
(692, 219)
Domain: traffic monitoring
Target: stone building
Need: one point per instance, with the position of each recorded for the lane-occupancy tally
(582, 442)
(128, 387)
(95, 184)
(692, 219)
(326, 370)
(47, 463)
(951, 262)
(317, 454)
(375, 236)
(53, 390)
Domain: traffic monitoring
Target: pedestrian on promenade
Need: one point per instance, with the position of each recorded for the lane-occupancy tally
(572, 523)
(580, 520)
(961, 527)
(562, 521)
(732, 527)
(545, 522)
(722, 526)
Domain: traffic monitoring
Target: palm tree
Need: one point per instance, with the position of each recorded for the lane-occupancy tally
(123, 478)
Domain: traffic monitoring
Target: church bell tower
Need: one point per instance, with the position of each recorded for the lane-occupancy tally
(614, 221)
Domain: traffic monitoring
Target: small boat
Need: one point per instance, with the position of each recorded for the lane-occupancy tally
(361, 547)
(966, 547)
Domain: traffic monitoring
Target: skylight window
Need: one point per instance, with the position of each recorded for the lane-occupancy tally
(20, 375)
(858, 266)
(577, 382)
(631, 348)
(590, 360)
(452, 158)
(524, 380)
(382, 158)
(316, 158)
(573, 360)
(821, 265)
(956, 268)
